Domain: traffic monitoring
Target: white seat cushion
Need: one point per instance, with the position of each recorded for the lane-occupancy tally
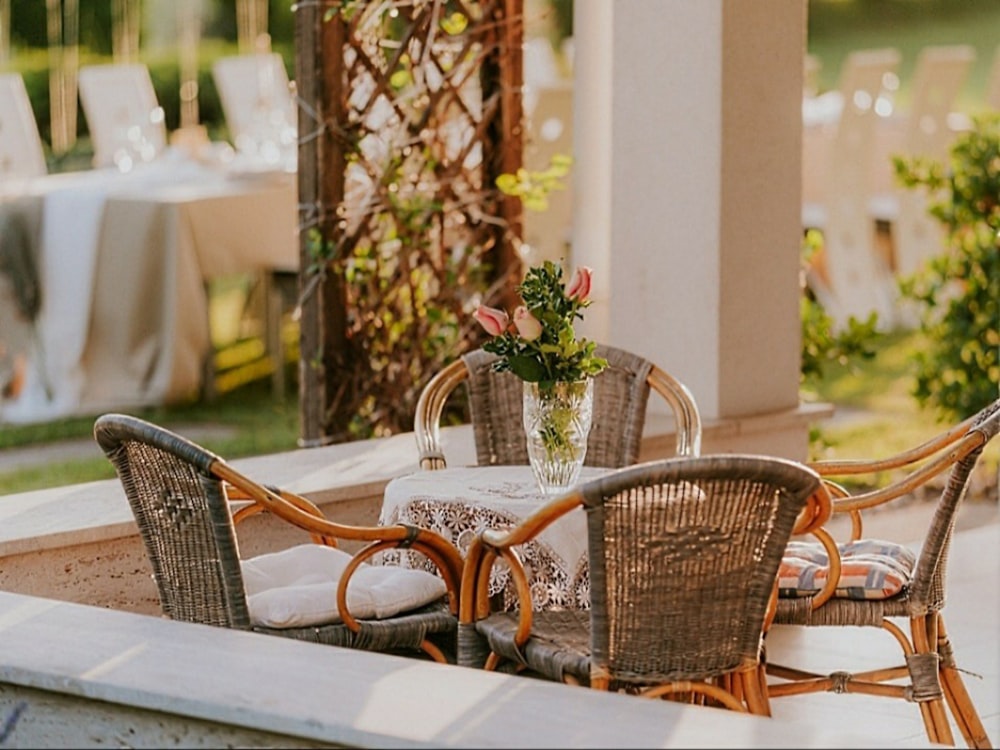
(297, 587)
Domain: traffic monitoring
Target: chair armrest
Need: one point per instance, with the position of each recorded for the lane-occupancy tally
(430, 407)
(684, 407)
(301, 512)
(242, 505)
(489, 544)
(937, 455)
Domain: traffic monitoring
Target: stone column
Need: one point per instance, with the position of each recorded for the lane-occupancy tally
(687, 190)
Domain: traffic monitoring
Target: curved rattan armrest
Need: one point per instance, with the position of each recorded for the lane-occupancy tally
(846, 467)
(959, 441)
(490, 544)
(242, 506)
(682, 402)
(430, 407)
(300, 512)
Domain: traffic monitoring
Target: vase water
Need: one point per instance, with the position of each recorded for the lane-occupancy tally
(556, 426)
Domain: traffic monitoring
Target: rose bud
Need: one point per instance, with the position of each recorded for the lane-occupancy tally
(494, 321)
(579, 287)
(527, 324)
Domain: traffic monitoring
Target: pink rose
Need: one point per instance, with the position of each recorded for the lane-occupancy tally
(527, 324)
(579, 287)
(494, 321)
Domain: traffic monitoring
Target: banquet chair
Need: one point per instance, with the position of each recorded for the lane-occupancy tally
(22, 155)
(187, 503)
(992, 93)
(683, 555)
(254, 92)
(880, 580)
(549, 133)
(938, 78)
(124, 118)
(853, 279)
(621, 395)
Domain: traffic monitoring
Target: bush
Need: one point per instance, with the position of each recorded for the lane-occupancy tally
(958, 292)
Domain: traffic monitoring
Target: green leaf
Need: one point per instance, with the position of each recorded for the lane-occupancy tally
(527, 368)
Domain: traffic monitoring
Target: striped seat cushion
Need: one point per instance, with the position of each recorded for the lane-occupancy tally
(869, 569)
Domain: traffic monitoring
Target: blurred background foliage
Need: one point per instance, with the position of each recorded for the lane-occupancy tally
(876, 376)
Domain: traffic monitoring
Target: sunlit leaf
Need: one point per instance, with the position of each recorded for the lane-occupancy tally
(454, 24)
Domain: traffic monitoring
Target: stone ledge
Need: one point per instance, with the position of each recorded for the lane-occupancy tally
(144, 679)
(97, 511)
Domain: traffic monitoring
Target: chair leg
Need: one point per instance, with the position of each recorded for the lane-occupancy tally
(924, 676)
(935, 682)
(754, 686)
(433, 651)
(957, 697)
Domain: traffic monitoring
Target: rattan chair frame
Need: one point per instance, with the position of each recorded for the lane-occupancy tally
(691, 623)
(929, 673)
(187, 502)
(621, 395)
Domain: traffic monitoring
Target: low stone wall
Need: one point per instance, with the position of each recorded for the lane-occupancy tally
(80, 543)
(87, 677)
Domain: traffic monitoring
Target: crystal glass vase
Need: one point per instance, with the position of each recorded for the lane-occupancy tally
(556, 426)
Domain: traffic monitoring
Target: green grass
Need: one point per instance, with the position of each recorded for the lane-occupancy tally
(876, 415)
(836, 27)
(889, 420)
(258, 422)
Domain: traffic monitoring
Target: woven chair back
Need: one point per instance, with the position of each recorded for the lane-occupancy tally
(683, 557)
(621, 394)
(927, 589)
(183, 519)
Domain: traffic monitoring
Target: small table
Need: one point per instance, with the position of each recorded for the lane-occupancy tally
(460, 502)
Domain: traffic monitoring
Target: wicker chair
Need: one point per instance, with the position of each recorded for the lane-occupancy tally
(927, 665)
(187, 502)
(683, 554)
(621, 394)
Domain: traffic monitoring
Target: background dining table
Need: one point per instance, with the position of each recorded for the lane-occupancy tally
(459, 502)
(122, 263)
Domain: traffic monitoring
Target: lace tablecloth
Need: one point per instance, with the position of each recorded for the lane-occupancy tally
(459, 502)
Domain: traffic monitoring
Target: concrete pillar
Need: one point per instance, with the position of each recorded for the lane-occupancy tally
(687, 190)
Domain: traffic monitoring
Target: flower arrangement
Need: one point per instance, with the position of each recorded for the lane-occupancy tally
(538, 343)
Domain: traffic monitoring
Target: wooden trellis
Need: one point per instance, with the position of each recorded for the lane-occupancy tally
(409, 110)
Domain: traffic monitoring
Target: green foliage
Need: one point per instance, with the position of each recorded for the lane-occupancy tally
(959, 291)
(563, 18)
(533, 187)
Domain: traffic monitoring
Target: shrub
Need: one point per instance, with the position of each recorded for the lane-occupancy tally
(958, 292)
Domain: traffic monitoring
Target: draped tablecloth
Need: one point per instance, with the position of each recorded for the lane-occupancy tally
(460, 502)
(122, 261)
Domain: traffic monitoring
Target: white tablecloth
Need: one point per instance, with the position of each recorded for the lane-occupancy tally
(122, 262)
(459, 502)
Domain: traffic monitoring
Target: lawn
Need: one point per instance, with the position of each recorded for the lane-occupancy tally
(875, 416)
(836, 27)
(258, 423)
